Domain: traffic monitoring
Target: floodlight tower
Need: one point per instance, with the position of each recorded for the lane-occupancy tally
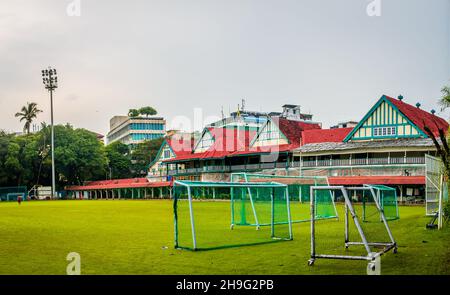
(50, 81)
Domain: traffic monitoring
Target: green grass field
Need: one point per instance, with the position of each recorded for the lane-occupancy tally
(136, 237)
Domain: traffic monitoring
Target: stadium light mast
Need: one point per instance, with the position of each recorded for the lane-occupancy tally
(50, 81)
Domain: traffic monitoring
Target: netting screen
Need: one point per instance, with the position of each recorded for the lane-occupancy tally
(387, 197)
(299, 189)
(369, 216)
(433, 172)
(202, 214)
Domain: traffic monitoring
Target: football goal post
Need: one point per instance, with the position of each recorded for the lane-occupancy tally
(436, 188)
(15, 196)
(201, 214)
(11, 193)
(299, 196)
(375, 238)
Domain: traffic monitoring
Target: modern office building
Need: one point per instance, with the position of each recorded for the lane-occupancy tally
(134, 130)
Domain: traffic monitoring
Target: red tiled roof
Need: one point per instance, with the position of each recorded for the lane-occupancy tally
(227, 141)
(420, 117)
(325, 135)
(233, 142)
(293, 131)
(180, 145)
(385, 180)
(117, 183)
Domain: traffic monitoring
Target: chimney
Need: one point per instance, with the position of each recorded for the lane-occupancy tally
(418, 105)
(400, 97)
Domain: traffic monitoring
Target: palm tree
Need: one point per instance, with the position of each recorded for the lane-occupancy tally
(445, 100)
(28, 113)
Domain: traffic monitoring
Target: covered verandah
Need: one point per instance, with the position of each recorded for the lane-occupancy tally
(139, 188)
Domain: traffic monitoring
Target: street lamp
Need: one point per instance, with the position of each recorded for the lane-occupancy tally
(50, 81)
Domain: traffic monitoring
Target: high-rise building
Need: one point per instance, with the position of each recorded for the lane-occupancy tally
(134, 130)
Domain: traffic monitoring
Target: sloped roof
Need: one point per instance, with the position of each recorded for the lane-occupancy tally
(420, 117)
(227, 141)
(180, 145)
(293, 132)
(233, 142)
(325, 135)
(366, 145)
(117, 183)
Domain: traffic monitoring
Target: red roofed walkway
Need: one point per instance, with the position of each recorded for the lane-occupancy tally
(130, 188)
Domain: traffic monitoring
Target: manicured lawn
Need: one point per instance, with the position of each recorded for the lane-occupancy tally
(136, 237)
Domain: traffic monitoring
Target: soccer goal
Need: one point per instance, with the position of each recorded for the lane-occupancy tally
(11, 193)
(386, 197)
(436, 189)
(299, 195)
(15, 196)
(202, 210)
(375, 238)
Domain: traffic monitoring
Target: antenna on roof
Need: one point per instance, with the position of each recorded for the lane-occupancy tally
(223, 115)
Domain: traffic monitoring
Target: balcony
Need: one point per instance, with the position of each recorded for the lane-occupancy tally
(228, 169)
(305, 164)
(362, 162)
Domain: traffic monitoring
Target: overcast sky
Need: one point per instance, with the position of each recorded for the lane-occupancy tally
(329, 56)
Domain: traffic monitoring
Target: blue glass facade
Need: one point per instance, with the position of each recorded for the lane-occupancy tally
(146, 126)
(145, 136)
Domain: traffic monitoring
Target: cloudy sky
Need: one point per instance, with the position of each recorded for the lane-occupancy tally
(329, 56)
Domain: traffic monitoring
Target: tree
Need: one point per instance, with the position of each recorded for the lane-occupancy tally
(440, 142)
(79, 156)
(143, 154)
(445, 100)
(28, 113)
(133, 113)
(147, 111)
(119, 160)
(25, 160)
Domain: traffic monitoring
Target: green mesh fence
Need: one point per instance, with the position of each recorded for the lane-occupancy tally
(11, 193)
(387, 198)
(202, 214)
(299, 190)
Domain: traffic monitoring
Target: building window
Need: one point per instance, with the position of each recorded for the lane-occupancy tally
(384, 131)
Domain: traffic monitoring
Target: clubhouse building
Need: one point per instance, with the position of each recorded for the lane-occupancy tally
(390, 145)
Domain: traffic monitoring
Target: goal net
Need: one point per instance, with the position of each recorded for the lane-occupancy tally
(11, 193)
(435, 189)
(386, 197)
(299, 196)
(202, 214)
